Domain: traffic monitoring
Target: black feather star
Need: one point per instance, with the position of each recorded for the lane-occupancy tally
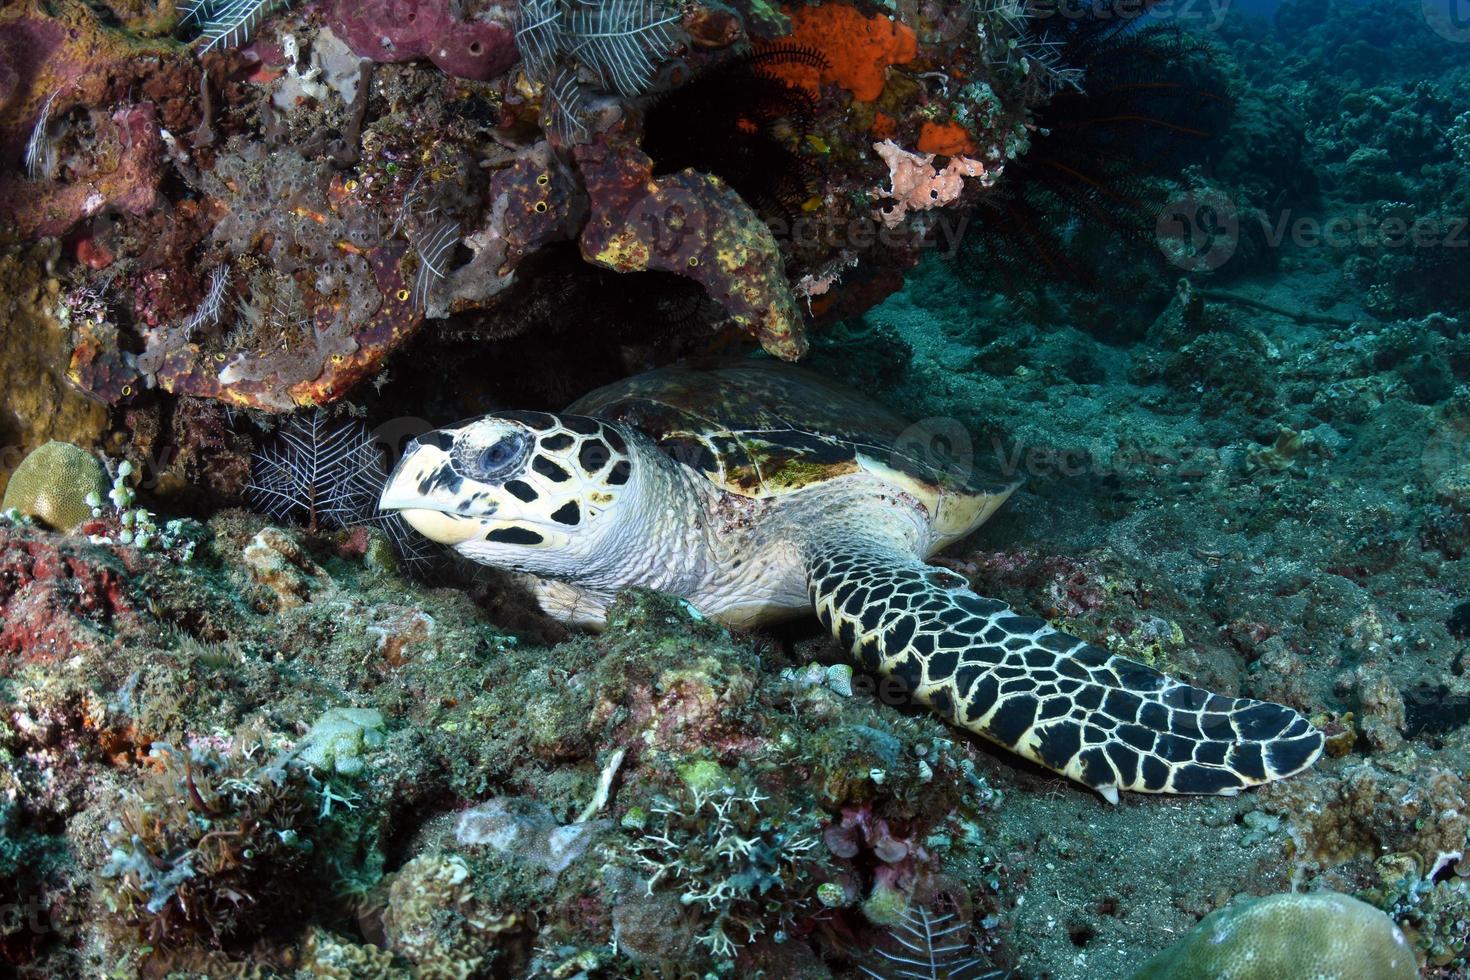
(328, 474)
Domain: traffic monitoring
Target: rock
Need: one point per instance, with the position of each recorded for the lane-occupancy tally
(526, 831)
(276, 561)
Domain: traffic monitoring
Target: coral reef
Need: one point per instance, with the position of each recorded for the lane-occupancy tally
(571, 813)
(294, 276)
(739, 863)
(242, 269)
(209, 847)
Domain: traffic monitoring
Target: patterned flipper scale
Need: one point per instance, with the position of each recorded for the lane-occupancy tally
(1103, 720)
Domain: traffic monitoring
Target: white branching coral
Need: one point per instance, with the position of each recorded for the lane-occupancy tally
(915, 184)
(745, 868)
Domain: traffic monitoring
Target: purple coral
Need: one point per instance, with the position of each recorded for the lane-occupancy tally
(479, 47)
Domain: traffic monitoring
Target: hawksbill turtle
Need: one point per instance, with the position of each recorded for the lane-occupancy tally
(758, 491)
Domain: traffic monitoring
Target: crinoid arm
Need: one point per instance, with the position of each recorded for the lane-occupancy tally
(1090, 715)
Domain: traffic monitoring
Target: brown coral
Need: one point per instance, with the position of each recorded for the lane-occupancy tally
(692, 225)
(1370, 811)
(325, 310)
(436, 921)
(65, 56)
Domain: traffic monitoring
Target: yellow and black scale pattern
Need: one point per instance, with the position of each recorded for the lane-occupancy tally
(1093, 716)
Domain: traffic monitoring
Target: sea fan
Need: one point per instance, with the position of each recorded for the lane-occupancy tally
(227, 23)
(329, 474)
(929, 950)
(622, 40)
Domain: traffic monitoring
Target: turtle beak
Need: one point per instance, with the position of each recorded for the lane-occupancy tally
(425, 489)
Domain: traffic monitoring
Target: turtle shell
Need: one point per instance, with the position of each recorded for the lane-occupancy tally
(764, 428)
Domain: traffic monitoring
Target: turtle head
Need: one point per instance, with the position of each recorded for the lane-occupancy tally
(523, 490)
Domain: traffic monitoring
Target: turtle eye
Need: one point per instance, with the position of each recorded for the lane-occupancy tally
(496, 462)
(493, 458)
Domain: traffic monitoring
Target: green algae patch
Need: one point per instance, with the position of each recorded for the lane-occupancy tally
(703, 776)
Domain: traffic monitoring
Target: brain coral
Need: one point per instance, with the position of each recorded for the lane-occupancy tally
(52, 484)
(1323, 936)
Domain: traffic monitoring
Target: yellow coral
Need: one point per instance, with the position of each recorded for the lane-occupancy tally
(51, 485)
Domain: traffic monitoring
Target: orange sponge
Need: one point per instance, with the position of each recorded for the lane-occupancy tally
(946, 139)
(857, 48)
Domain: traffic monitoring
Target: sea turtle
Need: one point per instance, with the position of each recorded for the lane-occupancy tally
(758, 491)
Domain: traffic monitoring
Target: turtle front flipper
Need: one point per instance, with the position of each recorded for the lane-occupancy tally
(1093, 716)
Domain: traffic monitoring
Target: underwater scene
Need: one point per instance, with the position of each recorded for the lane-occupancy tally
(677, 489)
